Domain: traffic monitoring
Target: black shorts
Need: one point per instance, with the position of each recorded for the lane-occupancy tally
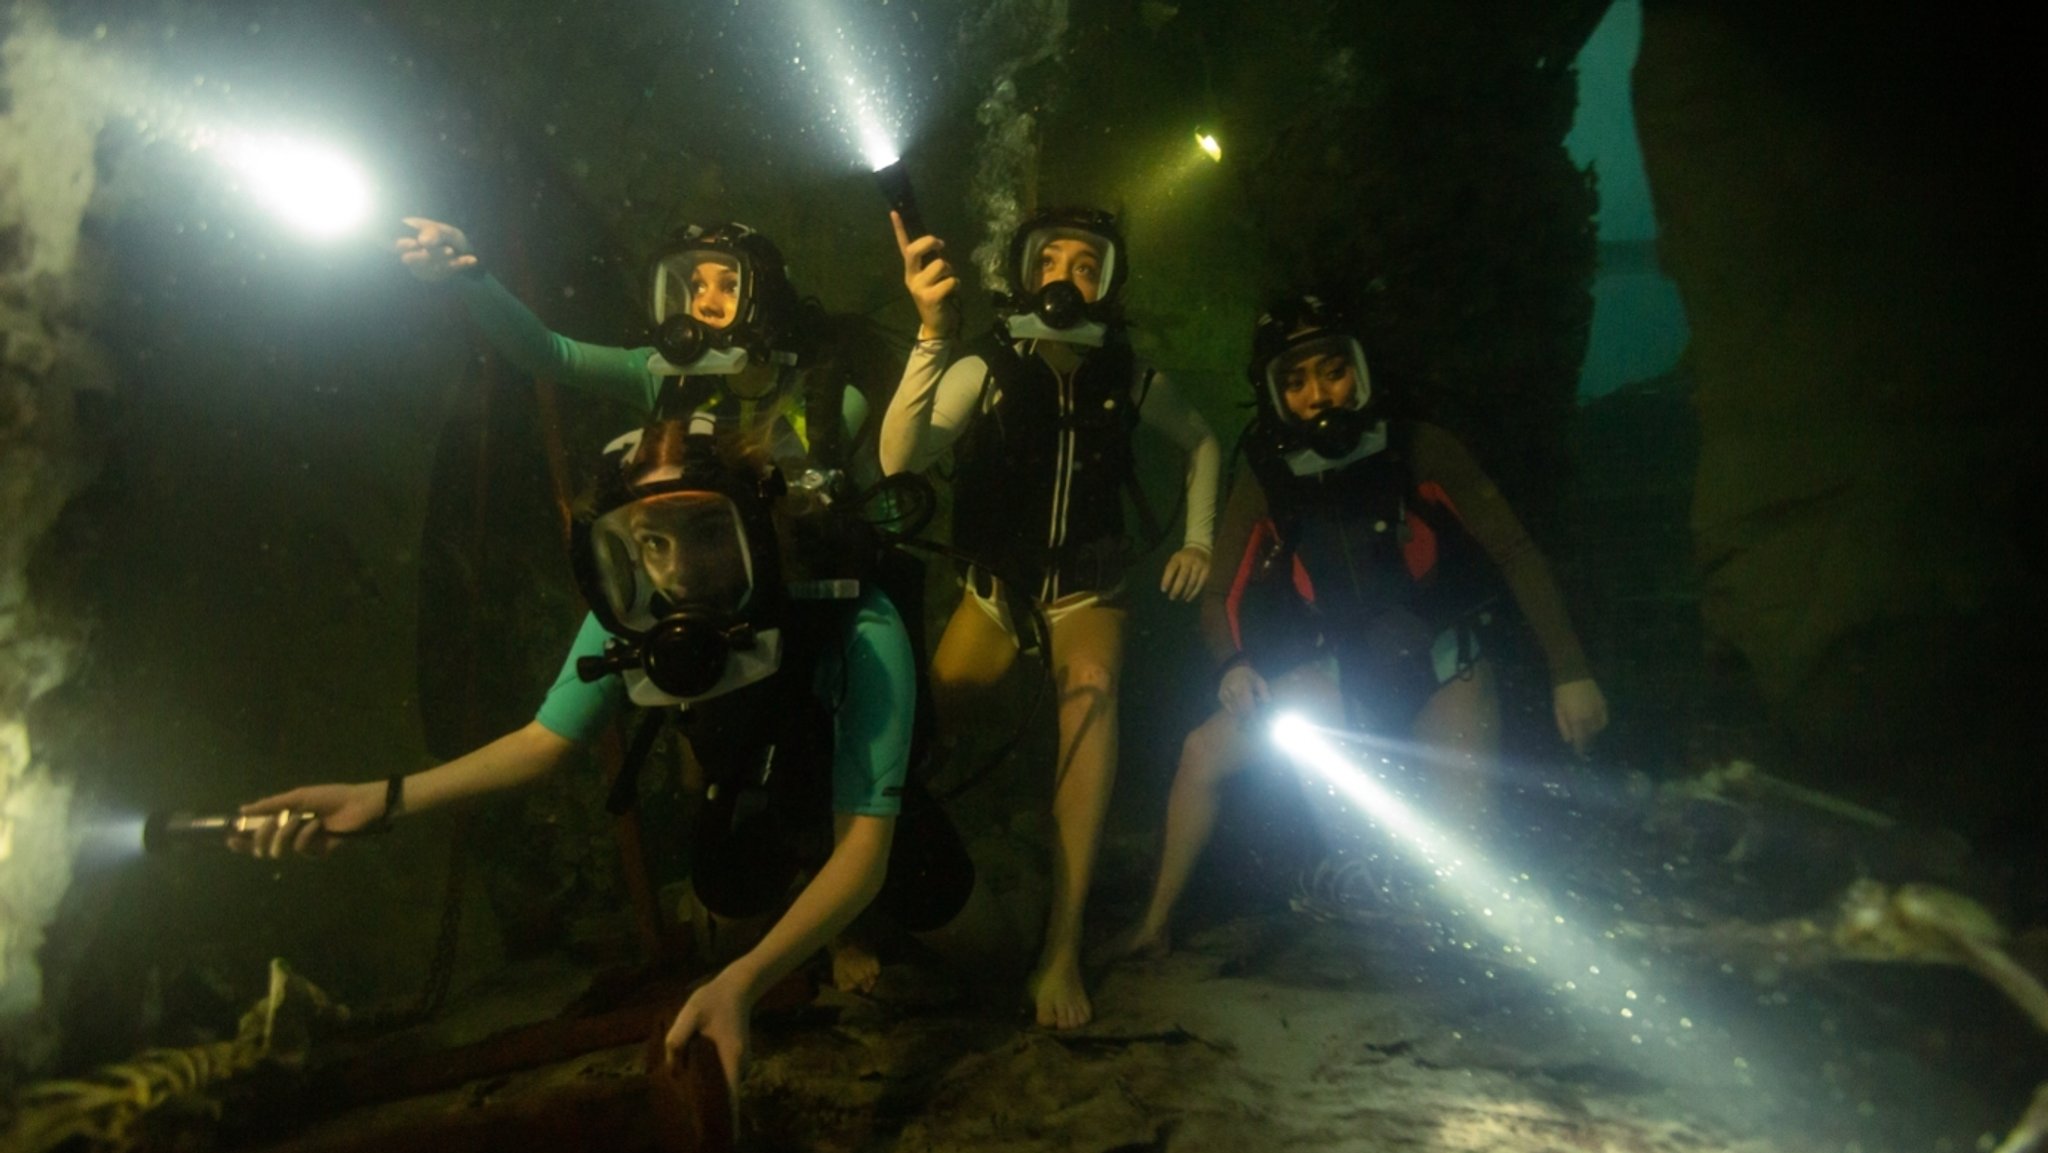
(751, 845)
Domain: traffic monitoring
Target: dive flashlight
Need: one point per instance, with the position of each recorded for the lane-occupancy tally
(163, 832)
(894, 180)
(167, 832)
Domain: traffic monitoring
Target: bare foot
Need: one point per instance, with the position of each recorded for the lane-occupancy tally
(854, 968)
(1136, 943)
(1061, 998)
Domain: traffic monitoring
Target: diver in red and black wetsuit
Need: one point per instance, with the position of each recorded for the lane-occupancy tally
(1358, 559)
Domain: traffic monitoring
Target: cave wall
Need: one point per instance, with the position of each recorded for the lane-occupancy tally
(1850, 209)
(50, 370)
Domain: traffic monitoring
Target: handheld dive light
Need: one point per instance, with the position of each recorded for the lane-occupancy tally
(164, 832)
(167, 832)
(894, 181)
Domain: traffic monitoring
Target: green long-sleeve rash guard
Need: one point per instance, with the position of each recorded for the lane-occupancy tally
(868, 682)
(616, 374)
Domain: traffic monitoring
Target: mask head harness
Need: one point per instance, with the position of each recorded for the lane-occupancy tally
(1058, 310)
(739, 273)
(1305, 349)
(677, 555)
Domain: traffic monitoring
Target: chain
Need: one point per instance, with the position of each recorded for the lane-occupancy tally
(441, 966)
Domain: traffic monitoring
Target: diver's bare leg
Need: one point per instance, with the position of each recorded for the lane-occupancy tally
(1213, 753)
(1087, 650)
(973, 656)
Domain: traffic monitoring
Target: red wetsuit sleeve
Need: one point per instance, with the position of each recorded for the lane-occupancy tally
(1443, 464)
(1236, 531)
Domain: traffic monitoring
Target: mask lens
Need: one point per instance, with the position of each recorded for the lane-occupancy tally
(704, 283)
(1318, 375)
(1086, 258)
(671, 553)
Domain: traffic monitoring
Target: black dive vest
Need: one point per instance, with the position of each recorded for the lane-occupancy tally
(775, 733)
(1038, 489)
(1350, 528)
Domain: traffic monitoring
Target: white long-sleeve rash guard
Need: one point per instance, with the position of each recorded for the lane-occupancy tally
(938, 396)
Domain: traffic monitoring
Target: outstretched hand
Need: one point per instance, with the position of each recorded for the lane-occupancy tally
(1581, 713)
(931, 282)
(437, 252)
(310, 820)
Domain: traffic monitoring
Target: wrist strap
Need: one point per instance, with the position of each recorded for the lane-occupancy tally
(394, 803)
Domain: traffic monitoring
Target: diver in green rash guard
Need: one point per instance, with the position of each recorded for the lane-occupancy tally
(729, 335)
(718, 590)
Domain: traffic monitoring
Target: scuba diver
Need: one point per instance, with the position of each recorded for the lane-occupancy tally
(1364, 557)
(736, 601)
(729, 333)
(1041, 414)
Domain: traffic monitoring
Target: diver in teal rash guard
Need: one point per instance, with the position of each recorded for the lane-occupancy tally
(729, 335)
(717, 590)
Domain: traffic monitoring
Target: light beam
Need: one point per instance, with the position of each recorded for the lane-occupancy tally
(864, 120)
(313, 188)
(1528, 931)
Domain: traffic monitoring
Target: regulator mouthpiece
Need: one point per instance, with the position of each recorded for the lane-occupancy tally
(1061, 305)
(894, 181)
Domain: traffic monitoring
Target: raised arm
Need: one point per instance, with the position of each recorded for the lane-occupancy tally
(933, 404)
(937, 396)
(441, 253)
(618, 374)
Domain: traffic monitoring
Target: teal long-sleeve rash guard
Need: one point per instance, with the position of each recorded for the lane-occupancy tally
(868, 681)
(616, 374)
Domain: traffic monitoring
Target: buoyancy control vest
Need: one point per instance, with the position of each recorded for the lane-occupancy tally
(771, 746)
(1361, 561)
(1037, 493)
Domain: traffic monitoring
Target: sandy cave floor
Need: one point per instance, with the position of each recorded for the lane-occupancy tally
(1281, 1032)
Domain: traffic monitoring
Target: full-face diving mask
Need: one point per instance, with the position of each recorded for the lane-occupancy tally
(1058, 310)
(679, 564)
(719, 299)
(1326, 368)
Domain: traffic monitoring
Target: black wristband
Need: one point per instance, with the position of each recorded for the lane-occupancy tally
(394, 798)
(1237, 659)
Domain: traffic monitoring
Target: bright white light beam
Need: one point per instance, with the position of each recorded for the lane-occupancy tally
(860, 106)
(314, 189)
(1529, 930)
